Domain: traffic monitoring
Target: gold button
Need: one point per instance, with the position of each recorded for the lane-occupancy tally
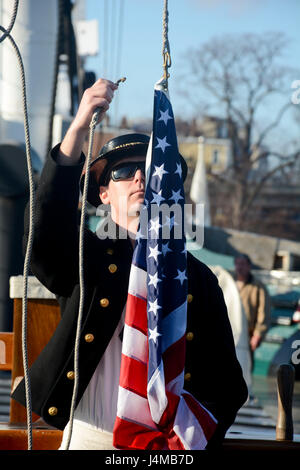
(189, 298)
(71, 375)
(187, 377)
(190, 336)
(89, 338)
(110, 251)
(104, 302)
(112, 268)
(52, 411)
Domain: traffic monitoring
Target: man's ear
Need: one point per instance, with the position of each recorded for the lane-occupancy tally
(104, 194)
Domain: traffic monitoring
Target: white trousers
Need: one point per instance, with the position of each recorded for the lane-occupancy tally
(85, 437)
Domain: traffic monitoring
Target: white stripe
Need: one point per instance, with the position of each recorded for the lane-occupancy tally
(135, 344)
(156, 393)
(202, 406)
(175, 386)
(174, 326)
(149, 159)
(133, 407)
(138, 282)
(188, 428)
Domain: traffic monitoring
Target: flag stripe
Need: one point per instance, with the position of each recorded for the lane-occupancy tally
(131, 406)
(135, 344)
(207, 420)
(173, 368)
(188, 428)
(136, 314)
(138, 282)
(156, 394)
(175, 386)
(136, 436)
(139, 371)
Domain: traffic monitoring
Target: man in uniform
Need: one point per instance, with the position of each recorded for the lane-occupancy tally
(212, 372)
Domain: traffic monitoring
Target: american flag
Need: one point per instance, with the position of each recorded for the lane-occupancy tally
(154, 412)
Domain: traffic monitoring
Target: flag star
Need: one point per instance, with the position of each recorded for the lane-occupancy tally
(170, 221)
(178, 169)
(154, 334)
(155, 225)
(162, 144)
(153, 307)
(176, 196)
(154, 252)
(157, 197)
(165, 116)
(154, 280)
(165, 248)
(139, 235)
(181, 276)
(160, 171)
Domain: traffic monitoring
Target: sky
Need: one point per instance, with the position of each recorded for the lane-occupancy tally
(191, 23)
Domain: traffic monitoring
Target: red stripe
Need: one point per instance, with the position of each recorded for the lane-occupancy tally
(207, 423)
(128, 435)
(133, 375)
(174, 359)
(136, 313)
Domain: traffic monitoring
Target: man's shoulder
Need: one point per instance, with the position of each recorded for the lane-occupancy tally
(195, 266)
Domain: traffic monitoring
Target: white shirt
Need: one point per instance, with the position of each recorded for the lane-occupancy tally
(98, 405)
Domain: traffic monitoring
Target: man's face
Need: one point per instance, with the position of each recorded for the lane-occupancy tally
(242, 267)
(125, 196)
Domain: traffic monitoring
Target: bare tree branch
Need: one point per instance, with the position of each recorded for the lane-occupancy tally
(267, 176)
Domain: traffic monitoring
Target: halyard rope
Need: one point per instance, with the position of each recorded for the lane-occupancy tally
(93, 124)
(166, 53)
(31, 223)
(92, 127)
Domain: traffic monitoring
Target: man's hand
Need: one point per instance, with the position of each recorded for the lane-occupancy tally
(255, 341)
(99, 95)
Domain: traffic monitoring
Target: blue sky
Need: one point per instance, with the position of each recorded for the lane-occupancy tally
(191, 23)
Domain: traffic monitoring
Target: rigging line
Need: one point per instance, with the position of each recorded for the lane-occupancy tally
(112, 38)
(92, 128)
(12, 21)
(166, 53)
(105, 35)
(81, 275)
(29, 242)
(59, 37)
(119, 52)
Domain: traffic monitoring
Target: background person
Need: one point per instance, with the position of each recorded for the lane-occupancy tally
(255, 300)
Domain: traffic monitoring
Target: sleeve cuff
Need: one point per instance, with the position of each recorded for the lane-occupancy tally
(54, 154)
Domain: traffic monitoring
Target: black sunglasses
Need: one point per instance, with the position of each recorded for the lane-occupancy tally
(126, 170)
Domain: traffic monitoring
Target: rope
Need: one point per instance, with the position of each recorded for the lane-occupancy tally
(58, 49)
(31, 224)
(92, 127)
(93, 124)
(12, 21)
(166, 53)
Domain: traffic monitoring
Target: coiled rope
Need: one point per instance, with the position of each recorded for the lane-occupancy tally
(31, 224)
